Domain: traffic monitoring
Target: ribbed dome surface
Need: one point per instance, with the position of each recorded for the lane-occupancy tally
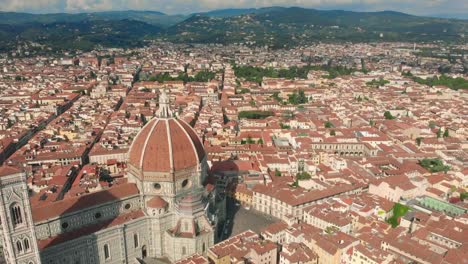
(166, 145)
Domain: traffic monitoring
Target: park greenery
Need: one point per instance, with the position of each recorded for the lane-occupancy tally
(249, 140)
(398, 211)
(444, 134)
(244, 91)
(419, 140)
(256, 74)
(277, 173)
(329, 124)
(202, 76)
(297, 97)
(303, 176)
(388, 115)
(463, 196)
(434, 165)
(443, 80)
(283, 126)
(377, 83)
(276, 97)
(255, 114)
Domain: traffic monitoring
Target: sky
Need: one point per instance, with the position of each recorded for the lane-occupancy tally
(418, 7)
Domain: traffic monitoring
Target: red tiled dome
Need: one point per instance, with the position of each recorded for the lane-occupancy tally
(166, 145)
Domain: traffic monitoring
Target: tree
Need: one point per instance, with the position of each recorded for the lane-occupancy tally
(303, 176)
(452, 83)
(463, 196)
(283, 126)
(439, 133)
(10, 123)
(328, 124)
(434, 165)
(446, 133)
(419, 140)
(332, 133)
(204, 76)
(377, 83)
(143, 119)
(260, 142)
(277, 173)
(388, 115)
(255, 114)
(244, 91)
(297, 97)
(276, 97)
(399, 210)
(444, 69)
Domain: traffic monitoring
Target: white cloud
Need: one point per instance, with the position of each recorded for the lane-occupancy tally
(21, 5)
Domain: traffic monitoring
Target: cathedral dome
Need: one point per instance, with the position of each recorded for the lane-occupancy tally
(165, 145)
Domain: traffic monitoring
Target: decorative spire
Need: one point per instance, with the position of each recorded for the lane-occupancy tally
(164, 110)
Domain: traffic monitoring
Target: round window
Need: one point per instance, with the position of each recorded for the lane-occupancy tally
(97, 215)
(65, 225)
(157, 186)
(185, 183)
(127, 206)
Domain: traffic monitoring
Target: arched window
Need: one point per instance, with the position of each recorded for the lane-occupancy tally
(203, 247)
(135, 240)
(184, 251)
(16, 216)
(26, 244)
(106, 251)
(19, 247)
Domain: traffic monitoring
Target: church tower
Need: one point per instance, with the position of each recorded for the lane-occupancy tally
(19, 238)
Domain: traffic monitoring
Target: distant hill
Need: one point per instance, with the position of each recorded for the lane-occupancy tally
(238, 12)
(274, 26)
(150, 17)
(279, 27)
(453, 16)
(83, 35)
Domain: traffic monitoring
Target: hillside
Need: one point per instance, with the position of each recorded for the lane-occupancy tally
(150, 17)
(277, 27)
(292, 26)
(84, 35)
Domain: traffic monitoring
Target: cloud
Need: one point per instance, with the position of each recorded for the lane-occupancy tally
(190, 6)
(23, 5)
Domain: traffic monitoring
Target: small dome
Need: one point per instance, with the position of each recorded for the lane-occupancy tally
(156, 202)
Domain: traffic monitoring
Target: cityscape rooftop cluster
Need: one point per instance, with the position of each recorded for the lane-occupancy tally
(356, 152)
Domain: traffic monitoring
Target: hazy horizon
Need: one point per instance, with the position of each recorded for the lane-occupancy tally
(179, 7)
